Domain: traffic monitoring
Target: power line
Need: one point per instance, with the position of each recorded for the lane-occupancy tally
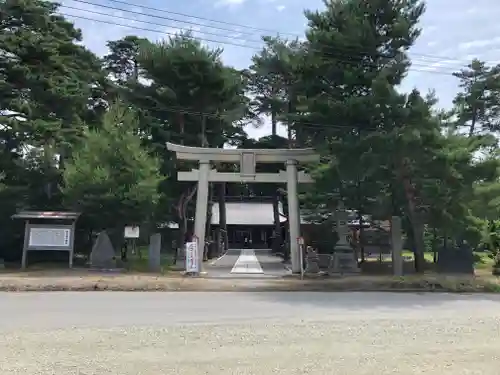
(155, 16)
(161, 24)
(221, 116)
(202, 18)
(204, 32)
(435, 57)
(151, 30)
(339, 58)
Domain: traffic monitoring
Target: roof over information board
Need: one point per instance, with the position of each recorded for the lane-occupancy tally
(55, 215)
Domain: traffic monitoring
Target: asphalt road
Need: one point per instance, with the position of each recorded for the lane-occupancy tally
(248, 333)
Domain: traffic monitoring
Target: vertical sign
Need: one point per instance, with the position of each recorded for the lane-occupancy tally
(247, 164)
(192, 257)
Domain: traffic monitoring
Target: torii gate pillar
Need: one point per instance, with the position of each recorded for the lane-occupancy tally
(247, 159)
(200, 218)
(293, 213)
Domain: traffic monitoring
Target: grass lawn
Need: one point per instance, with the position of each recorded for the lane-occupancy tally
(136, 264)
(483, 259)
(372, 266)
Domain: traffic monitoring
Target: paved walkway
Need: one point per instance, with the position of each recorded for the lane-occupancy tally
(97, 333)
(247, 263)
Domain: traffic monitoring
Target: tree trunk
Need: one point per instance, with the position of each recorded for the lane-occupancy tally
(181, 239)
(361, 236)
(274, 123)
(182, 222)
(135, 73)
(414, 217)
(276, 244)
(434, 244)
(204, 143)
(181, 123)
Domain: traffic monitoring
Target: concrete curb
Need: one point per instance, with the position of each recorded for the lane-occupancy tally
(256, 286)
(239, 290)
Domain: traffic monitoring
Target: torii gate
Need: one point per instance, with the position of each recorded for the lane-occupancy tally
(247, 159)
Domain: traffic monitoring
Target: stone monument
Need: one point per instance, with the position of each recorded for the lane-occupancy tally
(154, 253)
(458, 260)
(344, 257)
(312, 262)
(103, 253)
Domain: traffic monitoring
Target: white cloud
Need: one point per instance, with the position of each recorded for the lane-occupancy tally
(479, 43)
(445, 66)
(265, 129)
(280, 8)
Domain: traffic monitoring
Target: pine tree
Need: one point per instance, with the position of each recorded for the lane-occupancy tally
(111, 177)
(477, 107)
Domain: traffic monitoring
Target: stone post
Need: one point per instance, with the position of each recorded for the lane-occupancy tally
(344, 258)
(312, 261)
(293, 213)
(201, 209)
(342, 228)
(396, 246)
(154, 253)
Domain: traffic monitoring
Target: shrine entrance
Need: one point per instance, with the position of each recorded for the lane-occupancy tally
(247, 160)
(243, 238)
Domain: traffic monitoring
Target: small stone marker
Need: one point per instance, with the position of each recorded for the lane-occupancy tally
(312, 261)
(103, 253)
(456, 260)
(154, 253)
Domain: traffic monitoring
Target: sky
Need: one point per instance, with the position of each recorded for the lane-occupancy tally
(452, 35)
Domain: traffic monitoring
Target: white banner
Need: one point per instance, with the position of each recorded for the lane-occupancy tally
(192, 257)
(49, 237)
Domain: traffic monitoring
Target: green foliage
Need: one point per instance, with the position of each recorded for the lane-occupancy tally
(48, 80)
(111, 178)
(122, 61)
(478, 107)
(492, 238)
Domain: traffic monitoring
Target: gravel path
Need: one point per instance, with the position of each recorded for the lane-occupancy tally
(248, 333)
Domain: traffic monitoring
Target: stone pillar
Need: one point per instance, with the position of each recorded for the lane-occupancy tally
(201, 208)
(342, 228)
(396, 246)
(154, 253)
(293, 213)
(344, 258)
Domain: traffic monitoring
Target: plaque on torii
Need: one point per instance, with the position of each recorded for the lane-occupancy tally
(247, 164)
(247, 160)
